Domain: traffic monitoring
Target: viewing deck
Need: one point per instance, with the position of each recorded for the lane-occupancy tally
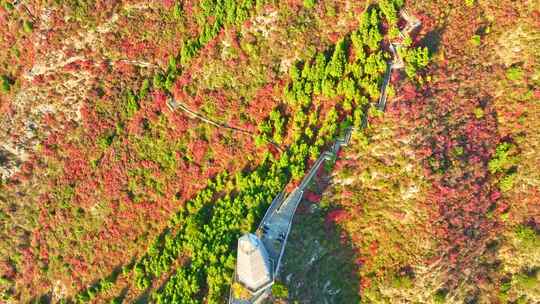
(276, 224)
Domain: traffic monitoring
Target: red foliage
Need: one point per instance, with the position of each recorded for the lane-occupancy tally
(408, 92)
(312, 197)
(262, 103)
(373, 248)
(462, 189)
(113, 174)
(198, 149)
(536, 17)
(124, 68)
(346, 194)
(336, 216)
(133, 50)
(179, 124)
(7, 270)
(291, 185)
(428, 23)
(365, 283)
(160, 100)
(537, 94)
(334, 37)
(168, 3)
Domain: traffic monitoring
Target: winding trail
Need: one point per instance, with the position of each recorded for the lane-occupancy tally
(175, 105)
(274, 228)
(397, 62)
(276, 224)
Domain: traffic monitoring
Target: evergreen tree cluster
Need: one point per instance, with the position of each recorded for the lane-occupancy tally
(223, 13)
(208, 226)
(352, 71)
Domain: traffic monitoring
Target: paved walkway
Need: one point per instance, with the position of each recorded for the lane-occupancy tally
(277, 222)
(397, 62)
(276, 226)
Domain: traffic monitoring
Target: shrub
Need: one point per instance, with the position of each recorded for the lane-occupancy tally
(280, 291)
(116, 301)
(458, 151)
(440, 296)
(63, 196)
(240, 291)
(389, 10)
(158, 81)
(336, 67)
(475, 40)
(309, 3)
(507, 182)
(514, 73)
(502, 160)
(130, 105)
(527, 236)
(505, 287)
(105, 140)
(6, 84)
(416, 59)
(8, 6)
(479, 113)
(402, 282)
(28, 27)
(294, 72)
(527, 280)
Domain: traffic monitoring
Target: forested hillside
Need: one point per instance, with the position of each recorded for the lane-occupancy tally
(439, 197)
(110, 195)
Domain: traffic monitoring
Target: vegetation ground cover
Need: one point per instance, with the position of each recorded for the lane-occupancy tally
(107, 195)
(139, 153)
(461, 158)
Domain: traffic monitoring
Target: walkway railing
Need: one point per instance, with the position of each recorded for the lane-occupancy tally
(281, 212)
(327, 155)
(277, 221)
(175, 104)
(396, 62)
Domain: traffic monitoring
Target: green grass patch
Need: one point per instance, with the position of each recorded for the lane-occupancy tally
(440, 296)
(6, 83)
(527, 236)
(280, 291)
(514, 74)
(476, 40)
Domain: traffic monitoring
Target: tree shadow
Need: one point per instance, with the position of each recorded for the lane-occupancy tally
(42, 299)
(3, 157)
(120, 298)
(319, 262)
(144, 296)
(432, 40)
